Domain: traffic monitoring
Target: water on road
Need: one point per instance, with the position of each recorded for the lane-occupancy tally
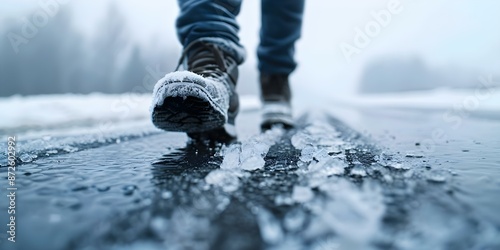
(393, 179)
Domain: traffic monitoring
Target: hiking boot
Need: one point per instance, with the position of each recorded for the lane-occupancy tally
(201, 101)
(276, 98)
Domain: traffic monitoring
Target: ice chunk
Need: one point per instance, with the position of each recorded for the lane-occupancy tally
(252, 163)
(69, 149)
(166, 195)
(302, 164)
(226, 179)
(321, 155)
(250, 154)
(302, 194)
(159, 225)
(358, 170)
(294, 220)
(315, 143)
(27, 157)
(414, 155)
(231, 157)
(388, 178)
(301, 139)
(247, 156)
(399, 166)
(324, 134)
(270, 228)
(354, 213)
(328, 166)
(283, 200)
(437, 176)
(307, 153)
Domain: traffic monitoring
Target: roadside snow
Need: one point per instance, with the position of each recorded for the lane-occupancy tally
(53, 110)
(50, 110)
(474, 100)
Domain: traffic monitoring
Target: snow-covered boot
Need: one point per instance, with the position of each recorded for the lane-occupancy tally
(201, 101)
(276, 97)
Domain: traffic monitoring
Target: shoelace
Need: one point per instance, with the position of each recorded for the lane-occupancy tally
(206, 59)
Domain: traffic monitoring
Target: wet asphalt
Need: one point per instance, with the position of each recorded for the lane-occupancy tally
(435, 186)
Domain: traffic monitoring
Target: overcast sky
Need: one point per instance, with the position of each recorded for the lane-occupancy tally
(442, 32)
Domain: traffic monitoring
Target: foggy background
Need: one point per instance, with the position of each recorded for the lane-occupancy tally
(126, 46)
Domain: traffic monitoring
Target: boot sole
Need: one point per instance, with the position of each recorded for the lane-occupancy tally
(195, 112)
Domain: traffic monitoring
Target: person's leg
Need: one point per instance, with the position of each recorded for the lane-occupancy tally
(281, 28)
(201, 100)
(213, 21)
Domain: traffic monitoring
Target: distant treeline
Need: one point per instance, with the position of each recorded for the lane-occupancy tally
(412, 74)
(58, 58)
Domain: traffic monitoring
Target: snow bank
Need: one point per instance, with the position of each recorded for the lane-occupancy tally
(472, 100)
(51, 110)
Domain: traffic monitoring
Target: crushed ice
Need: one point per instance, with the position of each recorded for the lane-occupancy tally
(238, 158)
(302, 194)
(353, 213)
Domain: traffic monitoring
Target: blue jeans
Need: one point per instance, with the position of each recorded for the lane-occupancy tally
(215, 21)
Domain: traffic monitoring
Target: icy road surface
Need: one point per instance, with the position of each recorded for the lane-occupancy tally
(359, 178)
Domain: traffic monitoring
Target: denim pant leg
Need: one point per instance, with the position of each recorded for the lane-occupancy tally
(212, 21)
(281, 28)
